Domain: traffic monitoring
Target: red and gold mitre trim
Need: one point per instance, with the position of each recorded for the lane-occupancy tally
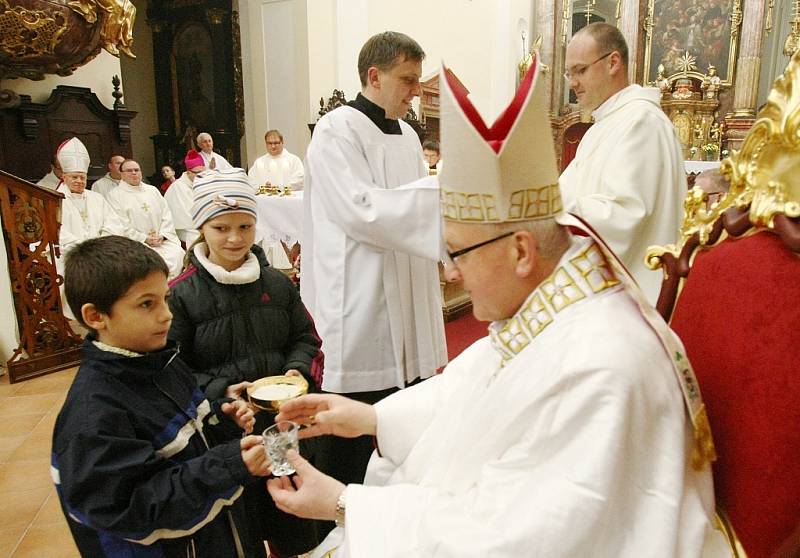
(506, 172)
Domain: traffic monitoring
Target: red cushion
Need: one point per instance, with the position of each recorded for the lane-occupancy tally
(739, 318)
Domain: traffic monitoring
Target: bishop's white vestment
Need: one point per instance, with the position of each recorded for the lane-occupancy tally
(104, 185)
(284, 170)
(144, 212)
(371, 241)
(220, 162)
(562, 434)
(627, 180)
(179, 199)
(83, 216)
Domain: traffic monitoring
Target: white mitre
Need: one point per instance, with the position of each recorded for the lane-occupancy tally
(72, 156)
(506, 172)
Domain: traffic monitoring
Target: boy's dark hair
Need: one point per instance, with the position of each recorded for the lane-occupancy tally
(431, 145)
(100, 271)
(384, 49)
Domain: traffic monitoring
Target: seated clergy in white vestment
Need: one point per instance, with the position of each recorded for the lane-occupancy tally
(277, 167)
(179, 198)
(111, 179)
(84, 214)
(53, 178)
(574, 429)
(146, 215)
(213, 160)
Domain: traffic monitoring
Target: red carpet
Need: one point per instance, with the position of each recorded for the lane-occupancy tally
(463, 332)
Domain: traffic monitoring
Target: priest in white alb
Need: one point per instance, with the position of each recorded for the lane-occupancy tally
(146, 215)
(84, 214)
(277, 167)
(627, 179)
(574, 429)
(371, 241)
(179, 198)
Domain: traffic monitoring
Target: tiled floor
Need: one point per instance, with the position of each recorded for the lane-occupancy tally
(31, 523)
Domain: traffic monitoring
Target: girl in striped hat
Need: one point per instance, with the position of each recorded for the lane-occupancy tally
(237, 320)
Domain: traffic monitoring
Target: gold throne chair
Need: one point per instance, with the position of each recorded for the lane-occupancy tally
(732, 293)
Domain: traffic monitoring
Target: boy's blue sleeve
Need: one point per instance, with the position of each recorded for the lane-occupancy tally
(111, 481)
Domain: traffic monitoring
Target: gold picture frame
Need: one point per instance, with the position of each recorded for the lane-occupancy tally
(688, 42)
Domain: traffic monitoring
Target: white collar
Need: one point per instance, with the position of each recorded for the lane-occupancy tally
(246, 273)
(622, 97)
(582, 273)
(112, 349)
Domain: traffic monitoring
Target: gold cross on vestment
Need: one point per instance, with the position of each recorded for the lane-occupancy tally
(145, 207)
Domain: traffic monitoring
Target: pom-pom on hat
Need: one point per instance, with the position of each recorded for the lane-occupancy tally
(227, 191)
(193, 160)
(503, 173)
(72, 156)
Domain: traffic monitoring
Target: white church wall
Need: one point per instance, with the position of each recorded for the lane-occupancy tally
(95, 75)
(275, 74)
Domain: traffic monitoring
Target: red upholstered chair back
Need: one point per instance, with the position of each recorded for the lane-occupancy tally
(731, 291)
(739, 318)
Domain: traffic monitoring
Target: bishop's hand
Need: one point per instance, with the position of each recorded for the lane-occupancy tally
(326, 413)
(309, 493)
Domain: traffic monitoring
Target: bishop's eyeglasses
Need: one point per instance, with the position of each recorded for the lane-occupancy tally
(450, 257)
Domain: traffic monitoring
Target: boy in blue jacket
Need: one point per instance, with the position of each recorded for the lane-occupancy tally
(143, 463)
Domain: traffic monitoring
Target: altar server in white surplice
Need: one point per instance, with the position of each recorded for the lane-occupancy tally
(84, 214)
(627, 179)
(569, 431)
(277, 167)
(146, 216)
(371, 241)
(179, 198)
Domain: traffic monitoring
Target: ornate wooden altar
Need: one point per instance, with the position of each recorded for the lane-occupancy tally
(31, 217)
(198, 77)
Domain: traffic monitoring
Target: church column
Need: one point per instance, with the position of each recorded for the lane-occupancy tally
(225, 138)
(545, 11)
(747, 72)
(629, 22)
(163, 140)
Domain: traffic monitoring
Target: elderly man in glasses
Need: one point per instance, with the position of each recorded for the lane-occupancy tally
(565, 431)
(627, 179)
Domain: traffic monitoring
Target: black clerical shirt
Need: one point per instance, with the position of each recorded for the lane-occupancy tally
(376, 114)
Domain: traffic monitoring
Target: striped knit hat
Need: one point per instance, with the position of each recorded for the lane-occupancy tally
(220, 192)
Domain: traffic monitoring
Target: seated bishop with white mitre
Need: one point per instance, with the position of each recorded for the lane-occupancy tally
(84, 214)
(574, 429)
(146, 216)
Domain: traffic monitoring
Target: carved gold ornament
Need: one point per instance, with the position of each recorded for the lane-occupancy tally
(117, 32)
(29, 32)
